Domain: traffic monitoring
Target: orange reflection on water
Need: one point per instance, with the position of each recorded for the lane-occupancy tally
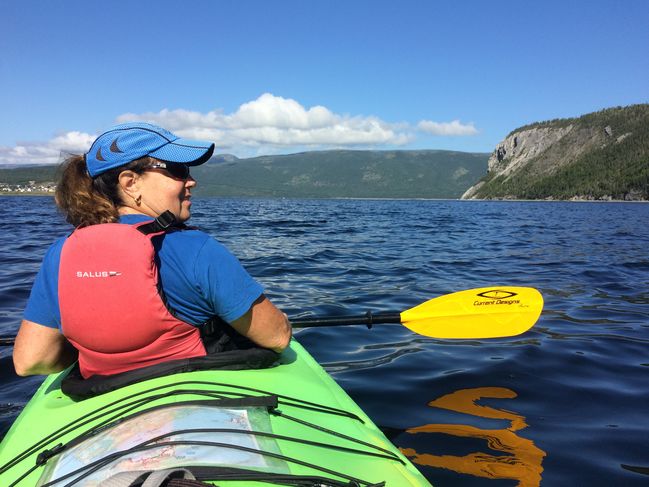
(523, 459)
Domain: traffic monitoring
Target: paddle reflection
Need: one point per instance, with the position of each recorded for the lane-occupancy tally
(523, 458)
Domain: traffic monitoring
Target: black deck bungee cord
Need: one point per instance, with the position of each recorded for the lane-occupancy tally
(152, 442)
(79, 422)
(83, 420)
(339, 435)
(102, 462)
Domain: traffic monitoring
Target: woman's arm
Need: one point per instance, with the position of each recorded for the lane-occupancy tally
(40, 349)
(265, 325)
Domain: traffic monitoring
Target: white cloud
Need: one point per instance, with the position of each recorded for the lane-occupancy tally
(72, 142)
(269, 124)
(277, 122)
(447, 128)
(282, 113)
(46, 152)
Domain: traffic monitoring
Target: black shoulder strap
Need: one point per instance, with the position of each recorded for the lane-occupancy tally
(162, 223)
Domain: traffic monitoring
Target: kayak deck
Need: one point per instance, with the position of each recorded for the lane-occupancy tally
(310, 428)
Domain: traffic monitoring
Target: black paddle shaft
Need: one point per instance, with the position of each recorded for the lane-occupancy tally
(368, 319)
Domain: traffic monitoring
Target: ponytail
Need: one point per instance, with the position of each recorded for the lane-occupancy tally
(86, 201)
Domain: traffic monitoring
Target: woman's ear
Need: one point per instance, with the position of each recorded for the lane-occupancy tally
(129, 184)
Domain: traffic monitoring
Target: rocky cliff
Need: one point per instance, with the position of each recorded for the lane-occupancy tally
(603, 155)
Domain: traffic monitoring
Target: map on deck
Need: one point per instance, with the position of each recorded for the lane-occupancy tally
(142, 431)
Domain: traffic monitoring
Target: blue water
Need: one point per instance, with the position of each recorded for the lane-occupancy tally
(567, 403)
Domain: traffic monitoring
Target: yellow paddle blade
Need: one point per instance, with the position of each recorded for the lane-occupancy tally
(487, 312)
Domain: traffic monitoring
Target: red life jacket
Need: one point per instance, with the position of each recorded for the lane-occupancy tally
(111, 307)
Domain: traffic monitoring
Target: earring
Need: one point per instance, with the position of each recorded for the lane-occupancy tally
(138, 200)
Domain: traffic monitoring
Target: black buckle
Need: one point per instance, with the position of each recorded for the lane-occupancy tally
(45, 455)
(166, 220)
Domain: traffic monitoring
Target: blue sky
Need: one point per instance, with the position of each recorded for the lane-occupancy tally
(261, 77)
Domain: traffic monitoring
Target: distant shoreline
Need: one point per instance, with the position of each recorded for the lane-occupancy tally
(41, 194)
(35, 193)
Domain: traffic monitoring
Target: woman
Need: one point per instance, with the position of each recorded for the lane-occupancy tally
(98, 299)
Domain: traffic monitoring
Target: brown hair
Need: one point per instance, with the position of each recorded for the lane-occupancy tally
(87, 201)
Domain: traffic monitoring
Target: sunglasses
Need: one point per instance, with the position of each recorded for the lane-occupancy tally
(177, 171)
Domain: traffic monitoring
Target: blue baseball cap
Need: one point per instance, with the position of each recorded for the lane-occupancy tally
(130, 141)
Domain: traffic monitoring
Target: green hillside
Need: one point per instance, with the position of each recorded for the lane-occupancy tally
(324, 174)
(360, 174)
(39, 174)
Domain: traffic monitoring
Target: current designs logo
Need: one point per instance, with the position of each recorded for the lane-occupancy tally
(496, 296)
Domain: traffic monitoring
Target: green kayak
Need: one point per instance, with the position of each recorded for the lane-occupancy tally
(286, 425)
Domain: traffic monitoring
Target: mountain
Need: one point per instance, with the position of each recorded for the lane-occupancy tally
(221, 158)
(598, 156)
(24, 174)
(323, 174)
(345, 173)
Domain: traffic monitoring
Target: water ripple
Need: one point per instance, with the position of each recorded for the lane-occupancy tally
(577, 380)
